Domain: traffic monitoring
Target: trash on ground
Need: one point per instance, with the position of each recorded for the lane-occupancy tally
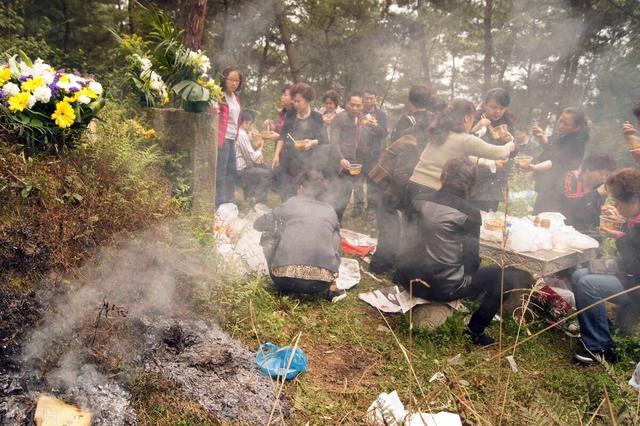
(438, 376)
(349, 274)
(51, 411)
(455, 360)
(393, 300)
(387, 409)
(512, 362)
(278, 362)
(355, 243)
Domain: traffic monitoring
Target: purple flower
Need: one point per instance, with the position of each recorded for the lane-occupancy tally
(6, 104)
(54, 88)
(24, 78)
(73, 89)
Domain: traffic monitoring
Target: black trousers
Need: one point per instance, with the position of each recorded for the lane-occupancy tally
(255, 182)
(287, 285)
(347, 184)
(389, 230)
(485, 282)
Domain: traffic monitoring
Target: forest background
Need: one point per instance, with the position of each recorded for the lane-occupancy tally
(548, 53)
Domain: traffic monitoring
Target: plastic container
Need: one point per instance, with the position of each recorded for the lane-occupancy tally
(611, 223)
(355, 169)
(523, 161)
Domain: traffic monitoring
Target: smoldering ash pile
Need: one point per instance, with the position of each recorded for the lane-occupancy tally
(131, 310)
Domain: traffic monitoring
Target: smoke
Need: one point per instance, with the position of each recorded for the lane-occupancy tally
(155, 272)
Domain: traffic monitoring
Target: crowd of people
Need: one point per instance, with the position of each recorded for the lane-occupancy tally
(443, 164)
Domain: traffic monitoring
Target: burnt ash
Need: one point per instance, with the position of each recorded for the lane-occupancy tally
(214, 369)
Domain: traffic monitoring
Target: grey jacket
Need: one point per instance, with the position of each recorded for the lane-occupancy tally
(309, 233)
(446, 249)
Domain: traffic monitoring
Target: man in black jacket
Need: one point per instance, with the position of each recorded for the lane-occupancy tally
(444, 262)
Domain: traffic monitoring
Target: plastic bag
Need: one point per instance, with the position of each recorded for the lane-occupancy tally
(524, 237)
(634, 382)
(272, 361)
(227, 212)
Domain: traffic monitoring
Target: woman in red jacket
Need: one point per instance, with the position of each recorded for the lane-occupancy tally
(229, 122)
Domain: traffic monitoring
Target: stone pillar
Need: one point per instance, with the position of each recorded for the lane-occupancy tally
(198, 132)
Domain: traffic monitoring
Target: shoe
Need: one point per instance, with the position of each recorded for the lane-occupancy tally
(478, 339)
(334, 296)
(584, 356)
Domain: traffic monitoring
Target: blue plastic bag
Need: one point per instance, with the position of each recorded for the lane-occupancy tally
(272, 361)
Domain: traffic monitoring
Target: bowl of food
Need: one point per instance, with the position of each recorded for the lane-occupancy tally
(523, 161)
(355, 169)
(500, 133)
(611, 223)
(496, 225)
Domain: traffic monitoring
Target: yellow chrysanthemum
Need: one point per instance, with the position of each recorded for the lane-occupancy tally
(19, 102)
(87, 91)
(32, 84)
(64, 116)
(149, 134)
(5, 75)
(71, 99)
(64, 78)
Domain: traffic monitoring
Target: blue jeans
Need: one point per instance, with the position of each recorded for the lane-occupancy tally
(588, 289)
(226, 173)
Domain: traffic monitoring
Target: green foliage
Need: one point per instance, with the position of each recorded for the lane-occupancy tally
(57, 210)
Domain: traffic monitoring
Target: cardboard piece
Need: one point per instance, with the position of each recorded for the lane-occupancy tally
(50, 411)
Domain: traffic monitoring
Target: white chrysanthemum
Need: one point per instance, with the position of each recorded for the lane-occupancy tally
(10, 89)
(40, 68)
(96, 87)
(84, 99)
(48, 77)
(42, 94)
(76, 79)
(64, 85)
(145, 63)
(32, 101)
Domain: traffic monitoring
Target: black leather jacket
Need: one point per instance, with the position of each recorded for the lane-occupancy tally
(446, 253)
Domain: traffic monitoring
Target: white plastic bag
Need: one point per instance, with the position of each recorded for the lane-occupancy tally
(227, 212)
(349, 274)
(635, 379)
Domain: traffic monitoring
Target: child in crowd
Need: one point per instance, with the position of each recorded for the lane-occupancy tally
(255, 176)
(585, 192)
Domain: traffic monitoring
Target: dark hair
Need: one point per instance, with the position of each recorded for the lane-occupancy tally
(313, 183)
(246, 116)
(625, 185)
(579, 117)
(420, 95)
(287, 87)
(450, 119)
(635, 109)
(331, 94)
(225, 75)
(599, 161)
(304, 90)
(437, 104)
(352, 94)
(370, 91)
(459, 174)
(500, 95)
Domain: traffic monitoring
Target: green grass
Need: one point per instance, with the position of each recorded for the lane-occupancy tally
(353, 357)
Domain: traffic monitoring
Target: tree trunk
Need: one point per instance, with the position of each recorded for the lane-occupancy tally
(67, 26)
(488, 44)
(425, 59)
(549, 99)
(453, 76)
(194, 24)
(132, 17)
(262, 69)
(282, 22)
